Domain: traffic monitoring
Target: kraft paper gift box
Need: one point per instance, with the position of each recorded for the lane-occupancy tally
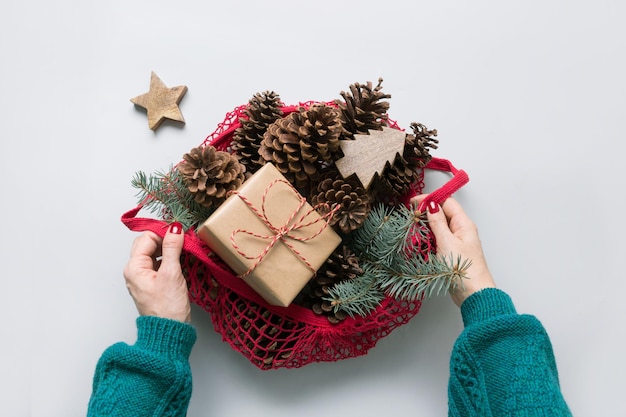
(241, 228)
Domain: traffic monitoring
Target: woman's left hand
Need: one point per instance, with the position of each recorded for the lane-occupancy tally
(158, 286)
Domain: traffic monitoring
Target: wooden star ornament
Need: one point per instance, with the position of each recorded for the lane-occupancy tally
(161, 102)
(367, 155)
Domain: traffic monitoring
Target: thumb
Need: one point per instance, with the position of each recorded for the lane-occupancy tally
(172, 245)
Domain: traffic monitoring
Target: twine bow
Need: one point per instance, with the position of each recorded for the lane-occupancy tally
(281, 233)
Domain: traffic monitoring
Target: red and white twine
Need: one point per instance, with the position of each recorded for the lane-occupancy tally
(281, 233)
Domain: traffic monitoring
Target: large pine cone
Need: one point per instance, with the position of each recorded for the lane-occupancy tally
(349, 194)
(301, 143)
(210, 174)
(262, 110)
(363, 109)
(341, 265)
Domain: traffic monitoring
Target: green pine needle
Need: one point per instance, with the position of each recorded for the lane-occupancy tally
(358, 296)
(416, 279)
(166, 195)
(391, 264)
(383, 234)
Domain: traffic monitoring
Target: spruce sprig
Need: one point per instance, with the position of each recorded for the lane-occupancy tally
(417, 278)
(383, 233)
(392, 266)
(357, 300)
(165, 193)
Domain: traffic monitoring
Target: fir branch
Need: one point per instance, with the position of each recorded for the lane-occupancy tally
(416, 278)
(165, 194)
(177, 182)
(362, 238)
(383, 234)
(358, 296)
(417, 235)
(390, 244)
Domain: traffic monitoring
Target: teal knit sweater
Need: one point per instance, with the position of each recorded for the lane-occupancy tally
(150, 378)
(502, 364)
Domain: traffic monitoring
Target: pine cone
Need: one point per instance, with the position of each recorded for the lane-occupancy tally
(341, 265)
(301, 143)
(210, 174)
(398, 178)
(262, 110)
(319, 133)
(416, 147)
(349, 194)
(363, 109)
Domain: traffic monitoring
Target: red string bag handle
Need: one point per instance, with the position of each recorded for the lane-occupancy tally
(458, 180)
(193, 245)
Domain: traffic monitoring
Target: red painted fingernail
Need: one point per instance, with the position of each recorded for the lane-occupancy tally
(433, 207)
(176, 228)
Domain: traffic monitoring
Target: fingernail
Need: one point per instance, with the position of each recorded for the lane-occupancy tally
(176, 228)
(433, 207)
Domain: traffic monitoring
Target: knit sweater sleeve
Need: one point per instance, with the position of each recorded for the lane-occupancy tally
(151, 377)
(502, 364)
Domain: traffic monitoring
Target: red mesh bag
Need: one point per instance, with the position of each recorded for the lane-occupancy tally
(273, 337)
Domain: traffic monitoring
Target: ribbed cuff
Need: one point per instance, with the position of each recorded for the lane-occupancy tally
(165, 336)
(486, 304)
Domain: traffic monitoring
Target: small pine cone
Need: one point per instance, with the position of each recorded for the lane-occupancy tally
(301, 143)
(349, 194)
(341, 265)
(416, 148)
(210, 174)
(363, 109)
(262, 110)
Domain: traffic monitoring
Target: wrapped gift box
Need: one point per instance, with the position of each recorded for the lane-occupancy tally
(245, 232)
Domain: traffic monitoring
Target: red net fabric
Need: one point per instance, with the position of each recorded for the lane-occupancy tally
(274, 337)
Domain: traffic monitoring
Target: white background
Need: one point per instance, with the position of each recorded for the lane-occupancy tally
(528, 98)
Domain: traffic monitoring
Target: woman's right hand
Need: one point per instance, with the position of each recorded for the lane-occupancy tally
(457, 235)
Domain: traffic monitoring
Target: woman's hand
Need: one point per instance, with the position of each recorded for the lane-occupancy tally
(457, 235)
(154, 277)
